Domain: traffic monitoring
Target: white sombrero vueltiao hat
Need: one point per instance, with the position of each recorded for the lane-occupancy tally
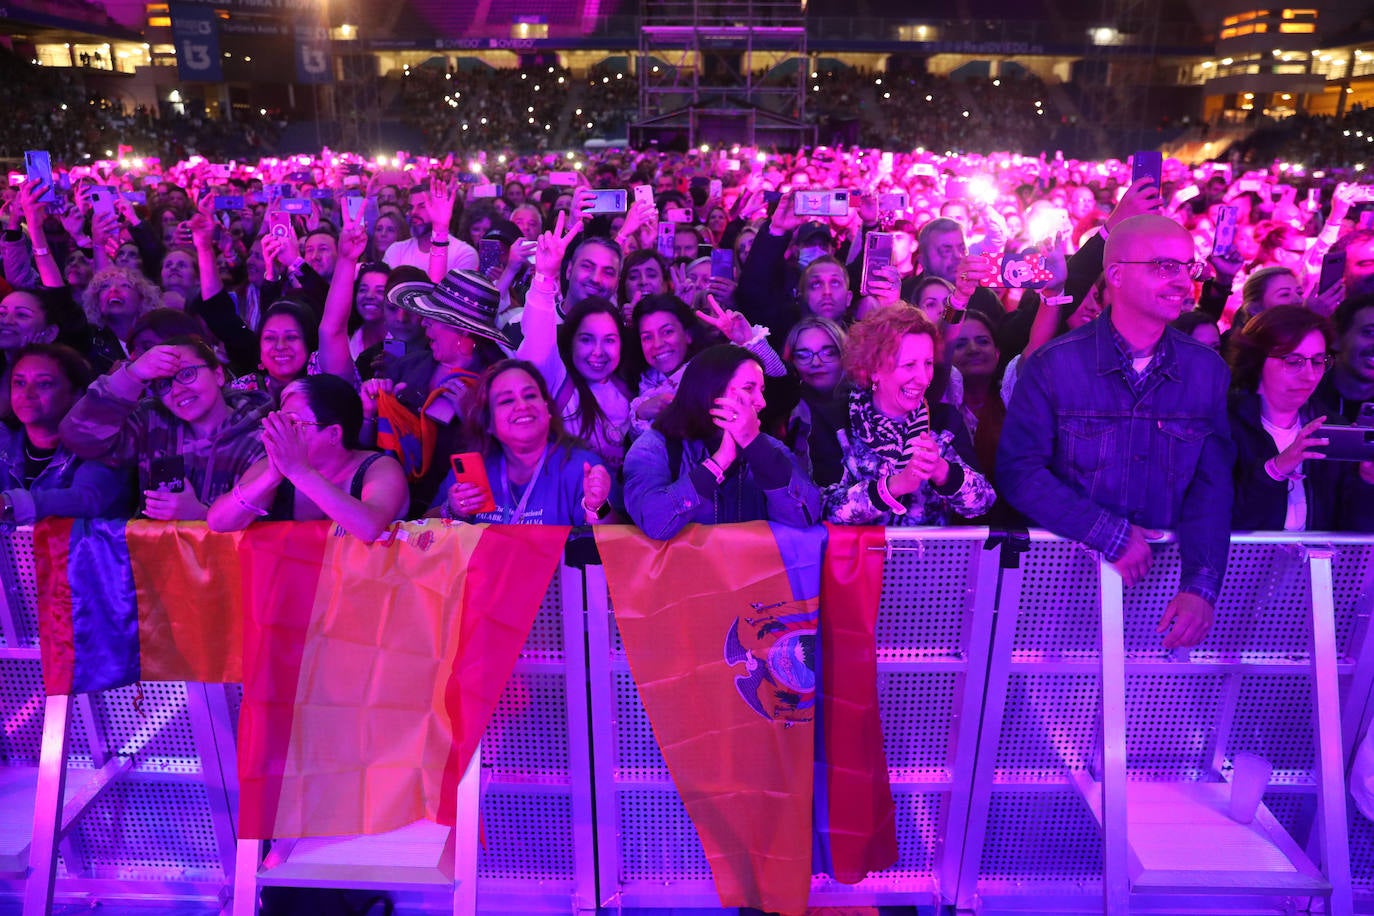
(464, 299)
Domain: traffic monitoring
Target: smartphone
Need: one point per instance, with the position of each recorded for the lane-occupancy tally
(488, 257)
(667, 240)
(228, 202)
(1148, 163)
(484, 190)
(135, 197)
(677, 215)
(1333, 269)
(563, 179)
(1366, 417)
(393, 347)
(877, 255)
(1025, 270)
(38, 165)
(732, 165)
(103, 199)
(322, 194)
(167, 473)
(644, 194)
(891, 203)
(297, 205)
(723, 263)
(1224, 243)
(715, 189)
(279, 224)
(1347, 443)
(469, 178)
(820, 203)
(469, 468)
(353, 207)
(612, 201)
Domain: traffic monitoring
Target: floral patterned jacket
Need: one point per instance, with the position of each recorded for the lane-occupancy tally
(869, 448)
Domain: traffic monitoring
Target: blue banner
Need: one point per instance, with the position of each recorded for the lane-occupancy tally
(195, 31)
(314, 61)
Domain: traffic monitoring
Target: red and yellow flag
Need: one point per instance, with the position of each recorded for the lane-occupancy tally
(370, 672)
(719, 627)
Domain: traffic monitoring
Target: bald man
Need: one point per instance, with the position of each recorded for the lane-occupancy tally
(1119, 429)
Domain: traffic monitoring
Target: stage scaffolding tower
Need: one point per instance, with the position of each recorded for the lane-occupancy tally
(715, 72)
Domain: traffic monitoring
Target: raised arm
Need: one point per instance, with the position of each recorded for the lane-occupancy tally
(338, 303)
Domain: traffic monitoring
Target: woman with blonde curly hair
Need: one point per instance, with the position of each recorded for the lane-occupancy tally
(905, 462)
(115, 299)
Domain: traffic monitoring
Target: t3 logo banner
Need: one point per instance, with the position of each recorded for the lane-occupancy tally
(195, 32)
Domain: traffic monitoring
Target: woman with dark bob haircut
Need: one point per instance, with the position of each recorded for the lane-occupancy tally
(1277, 361)
(704, 460)
(315, 467)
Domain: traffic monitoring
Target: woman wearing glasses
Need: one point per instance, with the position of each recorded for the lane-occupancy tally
(815, 350)
(1277, 361)
(315, 467)
(168, 413)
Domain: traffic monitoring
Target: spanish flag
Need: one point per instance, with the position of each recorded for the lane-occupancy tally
(719, 627)
(376, 681)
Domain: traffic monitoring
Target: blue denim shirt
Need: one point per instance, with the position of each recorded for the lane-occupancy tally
(68, 487)
(1086, 456)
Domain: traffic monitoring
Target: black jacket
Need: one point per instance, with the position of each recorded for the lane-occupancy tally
(1261, 503)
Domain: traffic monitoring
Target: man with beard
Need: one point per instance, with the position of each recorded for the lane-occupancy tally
(431, 218)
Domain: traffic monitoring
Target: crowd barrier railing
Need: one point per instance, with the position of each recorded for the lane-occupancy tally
(1032, 751)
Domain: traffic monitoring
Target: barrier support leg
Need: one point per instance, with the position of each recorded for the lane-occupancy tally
(1326, 699)
(47, 809)
(1115, 880)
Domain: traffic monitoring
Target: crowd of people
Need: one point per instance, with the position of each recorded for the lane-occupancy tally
(52, 110)
(841, 334)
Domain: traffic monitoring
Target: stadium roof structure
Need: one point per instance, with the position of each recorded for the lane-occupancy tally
(49, 26)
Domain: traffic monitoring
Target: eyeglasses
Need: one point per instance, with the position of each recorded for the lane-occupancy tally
(1295, 362)
(1168, 268)
(827, 354)
(184, 376)
(297, 421)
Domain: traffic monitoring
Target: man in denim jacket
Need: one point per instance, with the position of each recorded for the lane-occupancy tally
(1120, 427)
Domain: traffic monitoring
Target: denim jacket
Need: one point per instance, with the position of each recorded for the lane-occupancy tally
(68, 487)
(1086, 457)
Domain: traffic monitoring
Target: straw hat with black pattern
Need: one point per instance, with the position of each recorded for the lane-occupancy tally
(464, 299)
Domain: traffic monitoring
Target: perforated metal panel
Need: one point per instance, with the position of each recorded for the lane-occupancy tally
(1246, 689)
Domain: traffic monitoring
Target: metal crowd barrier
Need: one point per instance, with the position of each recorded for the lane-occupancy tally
(1004, 760)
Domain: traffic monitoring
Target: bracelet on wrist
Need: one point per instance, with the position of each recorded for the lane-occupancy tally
(438, 243)
(1057, 301)
(247, 506)
(893, 505)
(40, 252)
(715, 469)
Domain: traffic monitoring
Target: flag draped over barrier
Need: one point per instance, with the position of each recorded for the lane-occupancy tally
(719, 627)
(857, 821)
(369, 671)
(736, 660)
